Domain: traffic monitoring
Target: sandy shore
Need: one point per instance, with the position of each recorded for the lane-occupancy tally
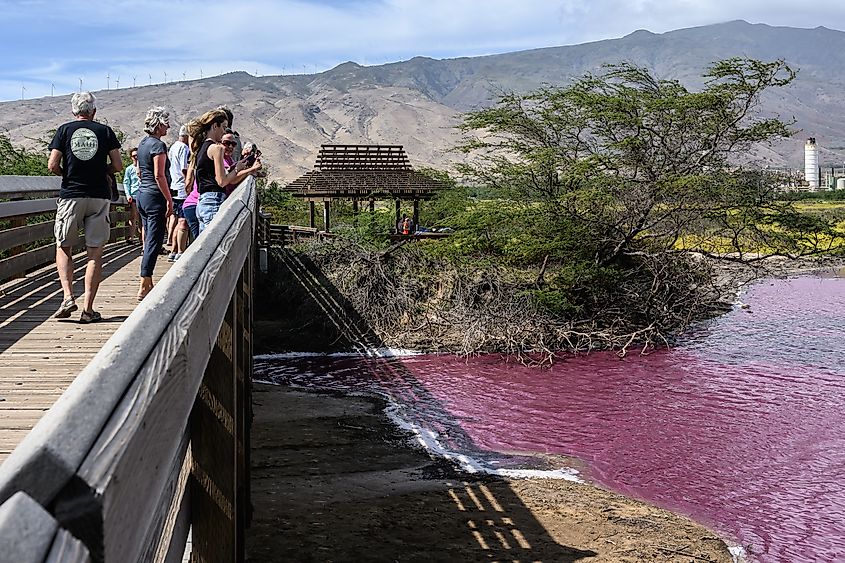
(334, 480)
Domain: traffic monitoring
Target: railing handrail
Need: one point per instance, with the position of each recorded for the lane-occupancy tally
(112, 448)
(13, 186)
(22, 197)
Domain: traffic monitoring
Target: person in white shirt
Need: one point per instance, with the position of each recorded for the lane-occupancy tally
(177, 229)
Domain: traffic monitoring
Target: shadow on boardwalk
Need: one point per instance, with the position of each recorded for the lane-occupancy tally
(31, 301)
(334, 480)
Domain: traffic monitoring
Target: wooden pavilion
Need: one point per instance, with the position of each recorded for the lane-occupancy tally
(363, 173)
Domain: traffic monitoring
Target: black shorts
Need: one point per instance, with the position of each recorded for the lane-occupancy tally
(177, 208)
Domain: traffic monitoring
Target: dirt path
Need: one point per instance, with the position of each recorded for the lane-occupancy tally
(334, 480)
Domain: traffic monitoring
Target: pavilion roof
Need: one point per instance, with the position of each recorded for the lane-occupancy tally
(363, 171)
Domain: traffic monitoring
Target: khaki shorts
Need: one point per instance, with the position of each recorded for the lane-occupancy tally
(83, 212)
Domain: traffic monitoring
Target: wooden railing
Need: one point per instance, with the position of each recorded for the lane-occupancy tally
(152, 437)
(24, 245)
(285, 235)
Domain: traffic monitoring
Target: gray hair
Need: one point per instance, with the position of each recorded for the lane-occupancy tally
(248, 146)
(83, 103)
(156, 116)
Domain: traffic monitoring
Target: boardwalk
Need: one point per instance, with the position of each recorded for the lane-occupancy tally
(40, 356)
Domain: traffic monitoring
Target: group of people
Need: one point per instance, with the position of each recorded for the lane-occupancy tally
(173, 192)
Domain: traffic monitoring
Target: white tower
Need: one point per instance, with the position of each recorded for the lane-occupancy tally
(811, 164)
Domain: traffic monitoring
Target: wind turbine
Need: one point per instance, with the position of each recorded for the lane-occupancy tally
(200, 73)
(183, 76)
(151, 78)
(133, 81)
(80, 84)
(52, 89)
(108, 81)
(165, 77)
(117, 82)
(23, 89)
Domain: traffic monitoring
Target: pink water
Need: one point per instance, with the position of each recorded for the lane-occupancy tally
(741, 426)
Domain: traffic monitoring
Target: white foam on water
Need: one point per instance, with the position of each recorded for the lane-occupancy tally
(428, 439)
(369, 353)
(737, 553)
(392, 353)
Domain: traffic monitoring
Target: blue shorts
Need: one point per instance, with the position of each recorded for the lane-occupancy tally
(208, 206)
(190, 213)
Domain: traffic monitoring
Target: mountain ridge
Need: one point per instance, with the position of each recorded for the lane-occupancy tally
(418, 102)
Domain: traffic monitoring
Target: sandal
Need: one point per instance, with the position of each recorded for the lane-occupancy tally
(67, 307)
(91, 317)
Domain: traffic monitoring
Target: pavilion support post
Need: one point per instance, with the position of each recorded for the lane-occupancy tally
(416, 214)
(311, 220)
(355, 211)
(398, 216)
(372, 206)
(327, 206)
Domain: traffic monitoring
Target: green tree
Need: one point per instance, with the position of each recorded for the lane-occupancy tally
(21, 162)
(614, 182)
(636, 164)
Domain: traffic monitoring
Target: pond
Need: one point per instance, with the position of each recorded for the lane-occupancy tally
(741, 425)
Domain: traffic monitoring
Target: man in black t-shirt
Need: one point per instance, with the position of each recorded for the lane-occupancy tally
(84, 153)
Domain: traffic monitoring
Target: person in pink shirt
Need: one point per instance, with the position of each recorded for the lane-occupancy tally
(189, 208)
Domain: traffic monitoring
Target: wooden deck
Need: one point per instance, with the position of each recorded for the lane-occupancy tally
(39, 355)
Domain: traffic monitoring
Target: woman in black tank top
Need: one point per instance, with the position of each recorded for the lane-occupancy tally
(206, 180)
(207, 162)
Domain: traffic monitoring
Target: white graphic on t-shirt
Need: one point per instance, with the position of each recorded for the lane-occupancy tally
(83, 144)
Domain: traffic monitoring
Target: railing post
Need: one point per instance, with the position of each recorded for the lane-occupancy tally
(13, 223)
(114, 219)
(216, 501)
(244, 398)
(17, 222)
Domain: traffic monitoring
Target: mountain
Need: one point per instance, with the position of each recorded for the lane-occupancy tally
(417, 102)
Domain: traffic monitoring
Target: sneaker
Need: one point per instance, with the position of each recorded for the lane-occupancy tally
(177, 256)
(67, 307)
(171, 257)
(91, 317)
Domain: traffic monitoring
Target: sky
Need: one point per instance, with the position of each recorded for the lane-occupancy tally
(55, 48)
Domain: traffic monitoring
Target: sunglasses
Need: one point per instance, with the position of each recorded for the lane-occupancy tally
(229, 143)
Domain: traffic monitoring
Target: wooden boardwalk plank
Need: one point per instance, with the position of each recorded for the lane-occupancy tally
(40, 356)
